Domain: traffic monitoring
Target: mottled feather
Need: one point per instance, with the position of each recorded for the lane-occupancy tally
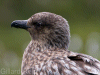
(60, 62)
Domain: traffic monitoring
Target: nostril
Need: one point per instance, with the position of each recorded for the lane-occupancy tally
(15, 23)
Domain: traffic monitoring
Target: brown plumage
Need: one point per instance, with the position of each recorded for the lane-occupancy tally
(47, 53)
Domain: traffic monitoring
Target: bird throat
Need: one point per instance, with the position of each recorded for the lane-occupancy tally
(42, 46)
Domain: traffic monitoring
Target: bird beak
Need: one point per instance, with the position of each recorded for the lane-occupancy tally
(20, 24)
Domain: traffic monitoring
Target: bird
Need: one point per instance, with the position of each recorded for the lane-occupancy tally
(48, 53)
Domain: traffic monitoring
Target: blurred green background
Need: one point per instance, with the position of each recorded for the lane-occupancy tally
(83, 17)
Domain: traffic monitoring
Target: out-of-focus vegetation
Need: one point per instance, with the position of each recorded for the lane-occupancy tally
(83, 17)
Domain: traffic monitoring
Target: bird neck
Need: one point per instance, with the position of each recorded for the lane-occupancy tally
(41, 46)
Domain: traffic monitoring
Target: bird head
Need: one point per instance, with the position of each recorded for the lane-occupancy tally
(47, 28)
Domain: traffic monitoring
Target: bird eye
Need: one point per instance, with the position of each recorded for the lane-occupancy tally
(37, 24)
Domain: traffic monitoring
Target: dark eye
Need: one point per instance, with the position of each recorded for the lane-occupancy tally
(37, 24)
